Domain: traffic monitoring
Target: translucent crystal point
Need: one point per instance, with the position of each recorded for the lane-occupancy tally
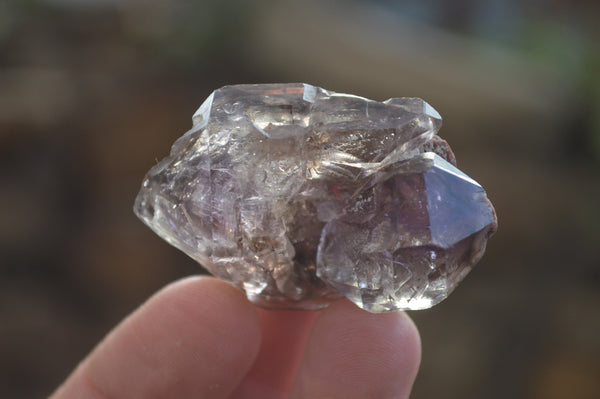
(299, 196)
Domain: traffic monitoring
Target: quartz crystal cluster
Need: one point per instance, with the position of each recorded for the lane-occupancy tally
(299, 196)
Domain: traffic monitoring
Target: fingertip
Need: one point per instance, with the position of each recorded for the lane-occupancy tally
(196, 337)
(206, 302)
(356, 354)
(284, 336)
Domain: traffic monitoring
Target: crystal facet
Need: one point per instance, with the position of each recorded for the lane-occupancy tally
(299, 195)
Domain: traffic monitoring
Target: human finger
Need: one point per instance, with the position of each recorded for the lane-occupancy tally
(352, 353)
(195, 338)
(284, 336)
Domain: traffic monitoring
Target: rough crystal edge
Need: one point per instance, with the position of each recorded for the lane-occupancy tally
(200, 120)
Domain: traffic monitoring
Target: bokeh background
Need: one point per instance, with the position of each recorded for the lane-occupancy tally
(93, 93)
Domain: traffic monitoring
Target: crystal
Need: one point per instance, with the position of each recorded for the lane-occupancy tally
(299, 196)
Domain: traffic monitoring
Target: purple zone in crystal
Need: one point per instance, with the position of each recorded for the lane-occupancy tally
(411, 250)
(298, 196)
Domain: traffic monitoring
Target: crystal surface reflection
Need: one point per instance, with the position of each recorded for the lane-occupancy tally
(299, 195)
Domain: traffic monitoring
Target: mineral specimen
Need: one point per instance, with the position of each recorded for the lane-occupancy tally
(299, 195)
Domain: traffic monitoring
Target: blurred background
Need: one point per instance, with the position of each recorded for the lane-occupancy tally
(93, 93)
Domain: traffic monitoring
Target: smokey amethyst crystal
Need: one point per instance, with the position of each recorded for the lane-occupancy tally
(299, 196)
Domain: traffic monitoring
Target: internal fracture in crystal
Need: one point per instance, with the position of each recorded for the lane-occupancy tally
(299, 196)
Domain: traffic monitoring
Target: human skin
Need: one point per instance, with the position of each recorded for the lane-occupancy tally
(201, 338)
